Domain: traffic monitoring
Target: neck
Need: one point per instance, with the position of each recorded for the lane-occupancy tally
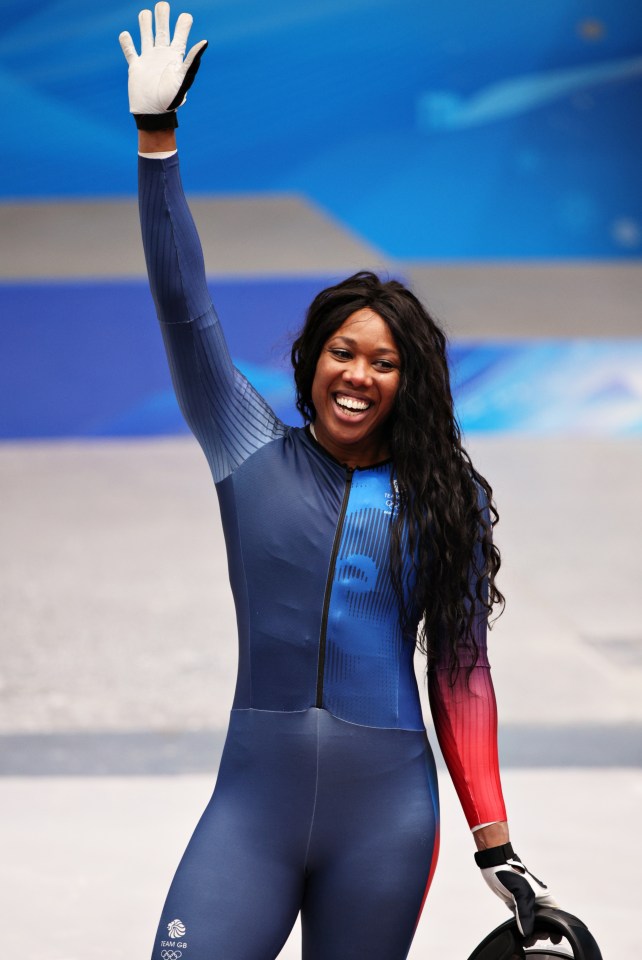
(375, 452)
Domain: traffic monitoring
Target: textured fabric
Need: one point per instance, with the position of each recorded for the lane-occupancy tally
(363, 619)
(326, 702)
(465, 717)
(282, 500)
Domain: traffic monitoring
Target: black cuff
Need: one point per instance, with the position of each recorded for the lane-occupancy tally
(156, 121)
(495, 856)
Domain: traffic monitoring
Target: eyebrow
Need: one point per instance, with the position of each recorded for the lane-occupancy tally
(378, 350)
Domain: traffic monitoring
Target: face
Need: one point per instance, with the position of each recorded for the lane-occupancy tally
(354, 389)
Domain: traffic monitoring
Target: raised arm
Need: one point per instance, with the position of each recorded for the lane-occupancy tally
(228, 417)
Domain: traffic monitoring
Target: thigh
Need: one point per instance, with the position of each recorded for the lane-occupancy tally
(228, 900)
(375, 845)
(239, 885)
(363, 909)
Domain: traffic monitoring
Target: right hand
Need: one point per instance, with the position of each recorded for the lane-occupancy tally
(159, 78)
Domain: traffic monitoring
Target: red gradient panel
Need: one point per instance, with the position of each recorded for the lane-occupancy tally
(465, 718)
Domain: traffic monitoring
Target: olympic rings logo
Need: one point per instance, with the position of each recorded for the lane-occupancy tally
(171, 954)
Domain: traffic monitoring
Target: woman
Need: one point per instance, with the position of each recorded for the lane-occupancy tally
(341, 537)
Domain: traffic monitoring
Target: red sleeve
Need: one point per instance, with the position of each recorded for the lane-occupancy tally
(465, 718)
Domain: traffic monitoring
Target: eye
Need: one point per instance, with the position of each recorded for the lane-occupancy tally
(385, 365)
(340, 353)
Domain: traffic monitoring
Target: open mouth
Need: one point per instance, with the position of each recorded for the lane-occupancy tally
(351, 406)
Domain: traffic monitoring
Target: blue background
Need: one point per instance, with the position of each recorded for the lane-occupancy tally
(441, 129)
(86, 359)
(436, 130)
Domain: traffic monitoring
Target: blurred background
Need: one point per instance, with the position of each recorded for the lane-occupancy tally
(488, 155)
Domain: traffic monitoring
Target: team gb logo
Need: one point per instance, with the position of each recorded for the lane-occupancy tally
(176, 929)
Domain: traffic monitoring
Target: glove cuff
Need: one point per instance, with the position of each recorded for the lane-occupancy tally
(495, 856)
(156, 121)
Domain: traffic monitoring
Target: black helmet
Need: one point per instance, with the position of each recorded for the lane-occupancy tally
(506, 942)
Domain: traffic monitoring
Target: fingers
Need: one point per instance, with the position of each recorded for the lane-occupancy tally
(524, 913)
(523, 897)
(161, 18)
(146, 34)
(547, 901)
(128, 47)
(161, 12)
(539, 935)
(181, 32)
(195, 54)
(189, 68)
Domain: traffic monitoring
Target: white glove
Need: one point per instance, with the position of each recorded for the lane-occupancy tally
(507, 876)
(159, 78)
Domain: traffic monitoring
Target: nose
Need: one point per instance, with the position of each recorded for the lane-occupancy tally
(357, 372)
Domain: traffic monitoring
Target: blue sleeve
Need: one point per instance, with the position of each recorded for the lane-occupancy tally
(226, 414)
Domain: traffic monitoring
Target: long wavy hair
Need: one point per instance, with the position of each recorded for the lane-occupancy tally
(444, 514)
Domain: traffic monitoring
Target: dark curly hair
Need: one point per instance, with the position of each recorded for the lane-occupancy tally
(443, 505)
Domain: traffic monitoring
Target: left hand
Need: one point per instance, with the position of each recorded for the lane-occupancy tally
(520, 890)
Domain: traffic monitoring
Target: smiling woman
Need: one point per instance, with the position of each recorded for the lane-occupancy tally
(351, 541)
(354, 389)
(372, 378)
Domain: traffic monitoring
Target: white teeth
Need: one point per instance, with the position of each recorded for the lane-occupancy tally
(351, 403)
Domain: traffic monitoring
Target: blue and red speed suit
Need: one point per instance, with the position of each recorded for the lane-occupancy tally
(326, 799)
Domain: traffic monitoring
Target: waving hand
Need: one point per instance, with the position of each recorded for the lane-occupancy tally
(161, 75)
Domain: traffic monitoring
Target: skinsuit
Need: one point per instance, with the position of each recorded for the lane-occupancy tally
(326, 799)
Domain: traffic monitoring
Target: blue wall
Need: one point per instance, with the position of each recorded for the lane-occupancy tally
(442, 129)
(86, 359)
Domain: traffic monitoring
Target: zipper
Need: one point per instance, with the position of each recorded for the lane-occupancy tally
(328, 586)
